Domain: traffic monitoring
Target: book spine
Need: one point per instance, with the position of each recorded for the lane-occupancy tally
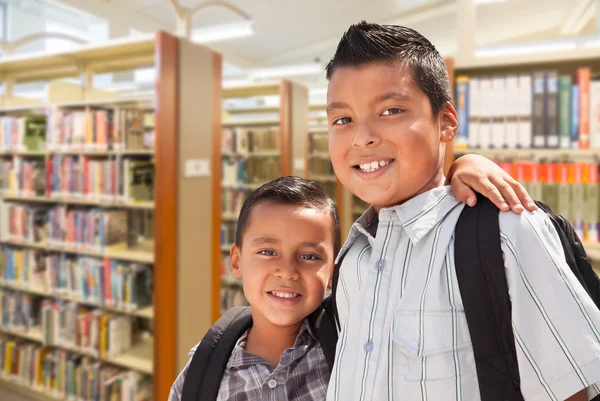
(583, 80)
(462, 104)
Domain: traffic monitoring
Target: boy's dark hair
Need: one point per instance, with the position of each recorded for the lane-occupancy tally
(365, 43)
(292, 191)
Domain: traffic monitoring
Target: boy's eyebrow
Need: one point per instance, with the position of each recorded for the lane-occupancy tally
(264, 240)
(391, 95)
(315, 245)
(336, 105)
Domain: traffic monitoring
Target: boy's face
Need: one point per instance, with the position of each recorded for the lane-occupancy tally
(385, 144)
(285, 261)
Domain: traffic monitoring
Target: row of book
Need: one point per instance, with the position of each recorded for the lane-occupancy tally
(570, 189)
(319, 142)
(253, 170)
(540, 109)
(69, 375)
(232, 296)
(70, 177)
(23, 134)
(89, 229)
(244, 141)
(320, 166)
(330, 189)
(101, 282)
(100, 130)
(228, 229)
(232, 201)
(19, 311)
(67, 324)
(91, 331)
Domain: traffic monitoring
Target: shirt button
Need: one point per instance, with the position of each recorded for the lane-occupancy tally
(272, 383)
(369, 346)
(380, 265)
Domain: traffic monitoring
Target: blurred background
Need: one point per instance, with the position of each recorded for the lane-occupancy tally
(131, 131)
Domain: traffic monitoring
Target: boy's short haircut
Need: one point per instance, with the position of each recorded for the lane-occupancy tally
(365, 43)
(291, 191)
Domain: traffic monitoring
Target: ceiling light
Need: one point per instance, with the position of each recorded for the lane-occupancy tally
(317, 91)
(287, 71)
(525, 48)
(215, 33)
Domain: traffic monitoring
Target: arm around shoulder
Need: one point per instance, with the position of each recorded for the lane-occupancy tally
(556, 325)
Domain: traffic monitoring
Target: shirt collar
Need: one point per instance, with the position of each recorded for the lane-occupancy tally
(417, 216)
(240, 359)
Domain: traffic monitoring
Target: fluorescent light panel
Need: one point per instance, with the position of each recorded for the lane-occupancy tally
(215, 33)
(525, 48)
(287, 71)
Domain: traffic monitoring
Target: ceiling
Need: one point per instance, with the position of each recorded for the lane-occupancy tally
(291, 32)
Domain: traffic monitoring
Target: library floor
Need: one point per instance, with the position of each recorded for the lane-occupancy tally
(7, 395)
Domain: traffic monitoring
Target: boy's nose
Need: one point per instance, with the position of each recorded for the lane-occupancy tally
(287, 272)
(365, 136)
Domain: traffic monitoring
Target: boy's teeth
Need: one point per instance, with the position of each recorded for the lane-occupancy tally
(369, 167)
(288, 295)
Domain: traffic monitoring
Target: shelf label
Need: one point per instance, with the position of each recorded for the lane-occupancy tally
(197, 168)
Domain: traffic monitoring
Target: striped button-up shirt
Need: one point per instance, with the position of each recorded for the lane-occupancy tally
(404, 332)
(302, 373)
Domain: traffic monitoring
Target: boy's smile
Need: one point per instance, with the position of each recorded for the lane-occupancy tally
(385, 144)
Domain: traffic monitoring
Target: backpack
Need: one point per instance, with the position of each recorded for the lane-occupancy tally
(202, 383)
(484, 291)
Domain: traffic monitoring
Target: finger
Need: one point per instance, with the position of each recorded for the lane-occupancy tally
(491, 191)
(462, 191)
(508, 193)
(523, 195)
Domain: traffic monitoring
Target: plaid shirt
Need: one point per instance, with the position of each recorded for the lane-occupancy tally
(302, 373)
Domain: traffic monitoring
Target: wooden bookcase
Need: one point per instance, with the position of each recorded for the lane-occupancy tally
(264, 127)
(186, 104)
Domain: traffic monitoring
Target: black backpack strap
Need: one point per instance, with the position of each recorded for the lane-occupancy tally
(201, 382)
(575, 253)
(482, 281)
(329, 324)
(324, 325)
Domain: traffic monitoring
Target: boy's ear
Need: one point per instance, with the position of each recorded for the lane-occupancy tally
(234, 264)
(448, 123)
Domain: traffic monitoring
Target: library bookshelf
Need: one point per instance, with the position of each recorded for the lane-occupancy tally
(263, 129)
(90, 181)
(539, 120)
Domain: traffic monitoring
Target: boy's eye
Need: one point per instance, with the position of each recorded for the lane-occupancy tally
(391, 111)
(342, 121)
(267, 252)
(308, 256)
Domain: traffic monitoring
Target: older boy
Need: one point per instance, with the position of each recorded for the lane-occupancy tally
(404, 333)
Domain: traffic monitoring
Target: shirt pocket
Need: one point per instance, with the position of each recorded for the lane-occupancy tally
(431, 344)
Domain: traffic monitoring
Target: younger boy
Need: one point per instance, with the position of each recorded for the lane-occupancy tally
(287, 235)
(404, 333)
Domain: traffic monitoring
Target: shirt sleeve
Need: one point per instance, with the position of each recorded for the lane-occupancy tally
(177, 387)
(556, 325)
